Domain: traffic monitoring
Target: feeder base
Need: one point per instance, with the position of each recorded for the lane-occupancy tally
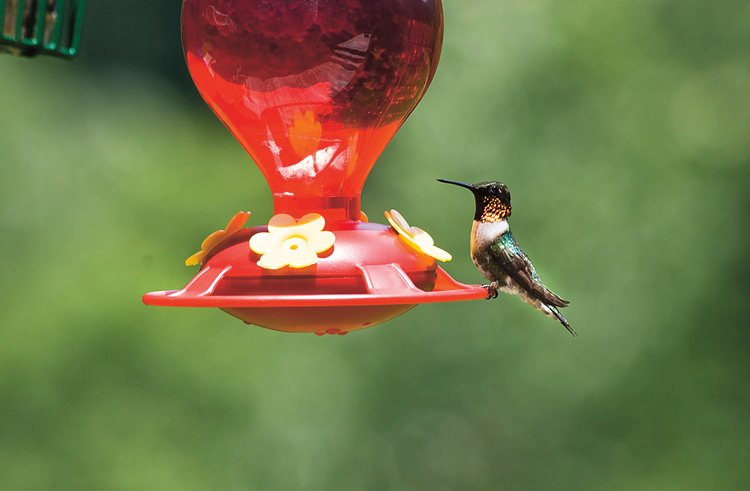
(369, 278)
(319, 320)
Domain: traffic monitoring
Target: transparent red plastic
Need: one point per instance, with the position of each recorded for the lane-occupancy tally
(314, 90)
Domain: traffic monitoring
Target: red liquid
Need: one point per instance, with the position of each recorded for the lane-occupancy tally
(313, 89)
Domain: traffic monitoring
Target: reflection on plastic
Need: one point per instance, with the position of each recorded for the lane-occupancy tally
(313, 94)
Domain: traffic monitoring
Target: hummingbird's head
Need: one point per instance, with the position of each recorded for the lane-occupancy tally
(492, 199)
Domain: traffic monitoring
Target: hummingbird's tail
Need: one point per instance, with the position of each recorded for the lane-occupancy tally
(558, 315)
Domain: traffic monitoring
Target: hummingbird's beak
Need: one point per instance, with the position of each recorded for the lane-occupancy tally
(458, 183)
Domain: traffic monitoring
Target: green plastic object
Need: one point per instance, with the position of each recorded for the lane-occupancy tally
(32, 27)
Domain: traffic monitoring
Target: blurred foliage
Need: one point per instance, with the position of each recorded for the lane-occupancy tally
(623, 130)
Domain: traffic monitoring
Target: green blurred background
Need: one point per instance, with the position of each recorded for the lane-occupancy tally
(623, 130)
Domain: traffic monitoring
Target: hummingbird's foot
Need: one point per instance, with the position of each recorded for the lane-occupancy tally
(491, 290)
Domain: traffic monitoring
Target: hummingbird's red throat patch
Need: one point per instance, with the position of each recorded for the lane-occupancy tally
(494, 210)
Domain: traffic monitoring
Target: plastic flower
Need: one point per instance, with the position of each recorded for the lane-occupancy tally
(415, 237)
(290, 242)
(216, 238)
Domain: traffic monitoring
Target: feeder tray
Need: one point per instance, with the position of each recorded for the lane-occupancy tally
(314, 91)
(369, 278)
(31, 27)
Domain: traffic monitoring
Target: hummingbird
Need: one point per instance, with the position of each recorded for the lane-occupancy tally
(497, 255)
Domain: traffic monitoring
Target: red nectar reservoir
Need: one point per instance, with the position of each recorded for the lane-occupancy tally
(314, 90)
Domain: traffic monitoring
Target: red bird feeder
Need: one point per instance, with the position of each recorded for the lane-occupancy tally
(314, 90)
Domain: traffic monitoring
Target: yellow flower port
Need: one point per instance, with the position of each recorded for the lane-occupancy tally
(209, 243)
(290, 242)
(415, 237)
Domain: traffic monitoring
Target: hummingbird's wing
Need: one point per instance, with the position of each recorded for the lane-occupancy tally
(514, 262)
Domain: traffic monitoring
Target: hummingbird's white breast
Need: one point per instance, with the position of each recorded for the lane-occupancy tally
(483, 235)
